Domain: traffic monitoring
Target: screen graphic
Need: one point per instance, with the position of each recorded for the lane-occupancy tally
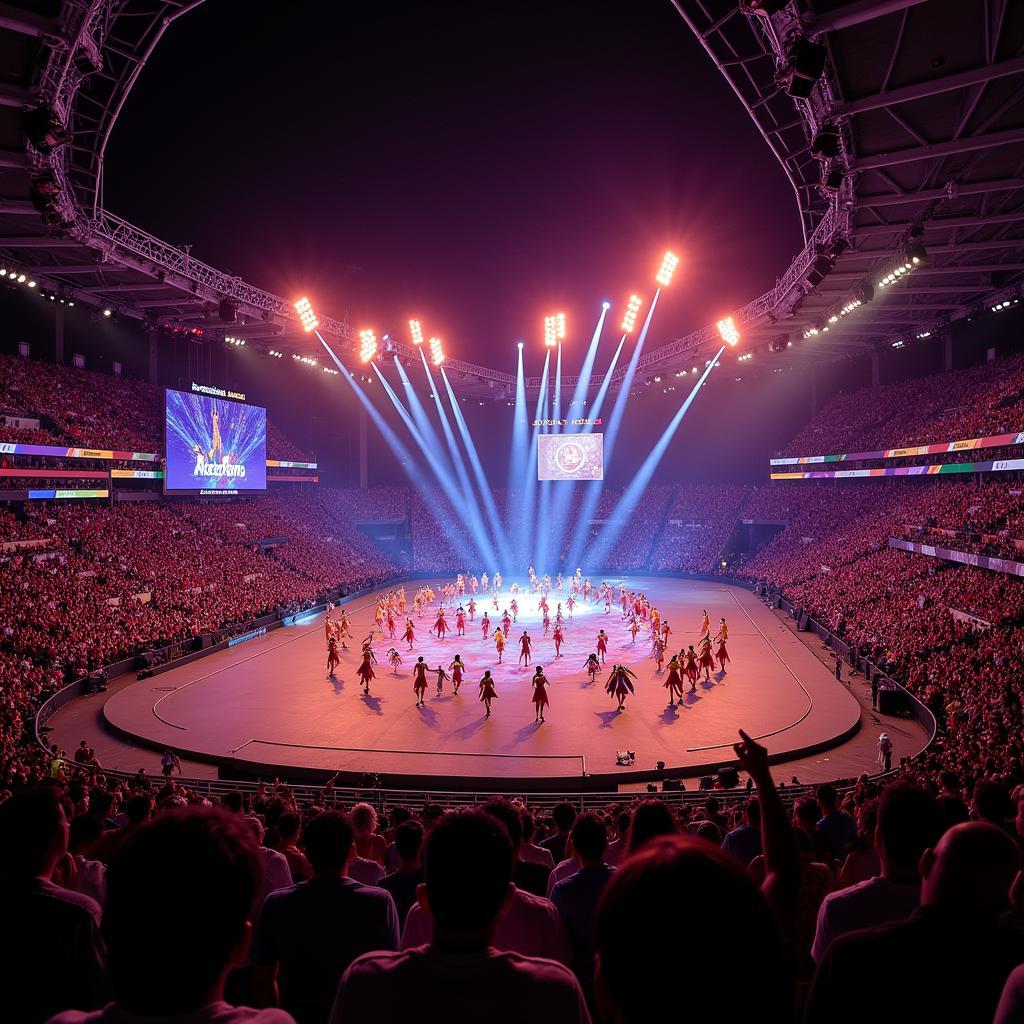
(570, 457)
(213, 446)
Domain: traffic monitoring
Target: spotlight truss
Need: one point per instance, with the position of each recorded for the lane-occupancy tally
(367, 345)
(554, 329)
(306, 315)
(416, 332)
(727, 329)
(436, 351)
(632, 310)
(669, 262)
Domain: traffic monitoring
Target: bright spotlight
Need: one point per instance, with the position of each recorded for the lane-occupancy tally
(21, 279)
(554, 329)
(606, 305)
(31, 284)
(306, 315)
(519, 344)
(416, 330)
(668, 267)
(436, 351)
(727, 329)
(367, 345)
(629, 317)
(107, 312)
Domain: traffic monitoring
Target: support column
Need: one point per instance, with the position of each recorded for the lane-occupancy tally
(362, 448)
(876, 375)
(58, 333)
(947, 350)
(152, 356)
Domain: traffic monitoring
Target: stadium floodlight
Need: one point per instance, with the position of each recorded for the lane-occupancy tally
(436, 351)
(554, 329)
(416, 330)
(669, 263)
(367, 345)
(107, 311)
(629, 318)
(306, 315)
(727, 329)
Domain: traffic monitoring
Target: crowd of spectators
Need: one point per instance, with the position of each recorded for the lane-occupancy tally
(85, 409)
(319, 912)
(980, 401)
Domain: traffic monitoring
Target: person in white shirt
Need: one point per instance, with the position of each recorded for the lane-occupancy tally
(909, 822)
(180, 891)
(276, 872)
(458, 975)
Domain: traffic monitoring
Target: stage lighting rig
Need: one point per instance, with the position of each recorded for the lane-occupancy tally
(44, 129)
(805, 64)
(669, 262)
(306, 315)
(554, 329)
(436, 351)
(727, 329)
(629, 318)
(367, 345)
(416, 332)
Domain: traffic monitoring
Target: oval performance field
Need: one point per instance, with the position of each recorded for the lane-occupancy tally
(267, 706)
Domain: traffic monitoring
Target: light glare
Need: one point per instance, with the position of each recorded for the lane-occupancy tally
(306, 315)
(727, 329)
(669, 263)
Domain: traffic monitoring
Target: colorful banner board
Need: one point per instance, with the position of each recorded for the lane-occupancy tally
(943, 469)
(943, 448)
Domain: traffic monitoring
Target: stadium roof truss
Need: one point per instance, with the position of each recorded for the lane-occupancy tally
(921, 100)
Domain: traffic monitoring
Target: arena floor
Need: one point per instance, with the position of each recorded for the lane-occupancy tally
(267, 705)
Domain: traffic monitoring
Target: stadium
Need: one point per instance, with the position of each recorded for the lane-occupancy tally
(497, 501)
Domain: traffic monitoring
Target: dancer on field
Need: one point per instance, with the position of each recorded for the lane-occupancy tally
(365, 670)
(540, 693)
(705, 659)
(674, 682)
(559, 638)
(395, 659)
(487, 693)
(592, 666)
(525, 644)
(602, 645)
(620, 685)
(457, 668)
(419, 680)
(333, 657)
(485, 625)
(499, 643)
(410, 633)
(690, 669)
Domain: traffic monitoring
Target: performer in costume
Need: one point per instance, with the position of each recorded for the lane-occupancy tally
(514, 608)
(570, 604)
(342, 629)
(706, 660)
(506, 622)
(391, 625)
(620, 685)
(499, 642)
(472, 609)
(659, 653)
(592, 667)
(540, 693)
(440, 625)
(410, 633)
(674, 683)
(395, 659)
(460, 621)
(441, 677)
(333, 658)
(487, 693)
(705, 626)
(722, 654)
(419, 680)
(602, 645)
(328, 627)
(690, 669)
(485, 625)
(525, 643)
(558, 636)
(457, 668)
(365, 670)
(723, 630)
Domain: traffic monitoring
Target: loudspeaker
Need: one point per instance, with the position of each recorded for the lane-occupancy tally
(706, 782)
(671, 785)
(728, 777)
(893, 702)
(825, 144)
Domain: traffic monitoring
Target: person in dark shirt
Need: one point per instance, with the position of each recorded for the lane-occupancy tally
(576, 897)
(308, 934)
(950, 959)
(51, 954)
(527, 876)
(402, 883)
(564, 814)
